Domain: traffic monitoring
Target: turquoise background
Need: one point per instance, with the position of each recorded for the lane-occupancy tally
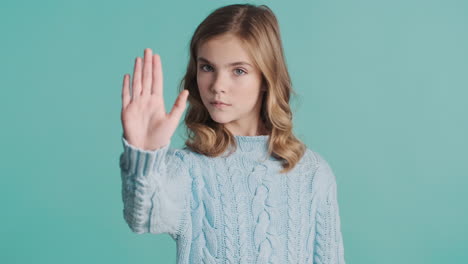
(383, 97)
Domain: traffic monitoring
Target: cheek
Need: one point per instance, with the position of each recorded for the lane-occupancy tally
(248, 90)
(203, 81)
(202, 85)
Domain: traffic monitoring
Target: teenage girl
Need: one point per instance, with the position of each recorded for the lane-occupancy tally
(243, 189)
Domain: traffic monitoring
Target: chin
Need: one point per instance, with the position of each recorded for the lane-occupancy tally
(222, 119)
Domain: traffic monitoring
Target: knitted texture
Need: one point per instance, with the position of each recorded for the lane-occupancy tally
(234, 209)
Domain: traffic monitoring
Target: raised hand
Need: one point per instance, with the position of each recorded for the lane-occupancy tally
(145, 122)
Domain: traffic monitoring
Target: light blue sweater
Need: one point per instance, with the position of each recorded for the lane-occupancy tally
(236, 209)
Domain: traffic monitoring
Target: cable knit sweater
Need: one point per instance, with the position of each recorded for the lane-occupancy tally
(234, 209)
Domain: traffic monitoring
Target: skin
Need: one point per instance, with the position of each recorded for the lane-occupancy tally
(145, 122)
(239, 86)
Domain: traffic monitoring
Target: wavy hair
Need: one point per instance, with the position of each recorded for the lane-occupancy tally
(258, 30)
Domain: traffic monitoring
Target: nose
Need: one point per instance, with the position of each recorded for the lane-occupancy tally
(217, 86)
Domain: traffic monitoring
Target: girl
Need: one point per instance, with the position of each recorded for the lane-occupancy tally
(244, 189)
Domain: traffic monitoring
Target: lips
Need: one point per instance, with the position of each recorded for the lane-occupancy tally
(218, 103)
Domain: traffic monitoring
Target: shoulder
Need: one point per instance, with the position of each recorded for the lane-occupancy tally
(189, 157)
(182, 156)
(323, 174)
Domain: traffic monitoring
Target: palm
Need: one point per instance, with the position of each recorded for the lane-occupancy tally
(144, 119)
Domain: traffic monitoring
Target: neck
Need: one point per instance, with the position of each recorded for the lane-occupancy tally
(260, 130)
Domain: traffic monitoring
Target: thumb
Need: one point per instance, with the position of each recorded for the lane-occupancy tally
(179, 105)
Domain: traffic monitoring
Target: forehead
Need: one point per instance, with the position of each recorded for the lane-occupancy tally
(223, 50)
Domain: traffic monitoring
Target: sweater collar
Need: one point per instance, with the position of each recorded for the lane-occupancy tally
(252, 143)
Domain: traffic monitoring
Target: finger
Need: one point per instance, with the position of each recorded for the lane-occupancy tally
(125, 91)
(147, 72)
(136, 86)
(157, 87)
(179, 105)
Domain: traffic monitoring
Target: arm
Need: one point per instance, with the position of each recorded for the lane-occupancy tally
(329, 241)
(156, 189)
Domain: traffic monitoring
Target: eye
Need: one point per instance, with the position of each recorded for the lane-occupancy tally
(202, 67)
(242, 71)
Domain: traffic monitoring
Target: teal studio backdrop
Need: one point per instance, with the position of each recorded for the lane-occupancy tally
(382, 91)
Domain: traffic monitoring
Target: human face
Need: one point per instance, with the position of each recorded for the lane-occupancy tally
(226, 73)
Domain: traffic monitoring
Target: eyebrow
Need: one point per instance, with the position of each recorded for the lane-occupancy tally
(230, 64)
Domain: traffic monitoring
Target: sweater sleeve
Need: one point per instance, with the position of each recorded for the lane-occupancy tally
(156, 189)
(329, 241)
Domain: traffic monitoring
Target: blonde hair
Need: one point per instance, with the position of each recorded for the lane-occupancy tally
(258, 29)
